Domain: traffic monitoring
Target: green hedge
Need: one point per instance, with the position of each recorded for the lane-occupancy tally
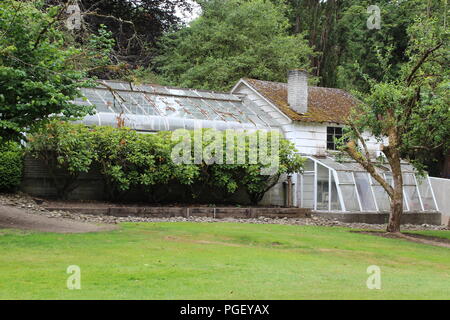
(11, 166)
(129, 161)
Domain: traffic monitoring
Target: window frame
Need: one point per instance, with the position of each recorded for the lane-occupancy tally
(331, 145)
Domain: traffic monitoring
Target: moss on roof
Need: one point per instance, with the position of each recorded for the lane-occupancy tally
(324, 104)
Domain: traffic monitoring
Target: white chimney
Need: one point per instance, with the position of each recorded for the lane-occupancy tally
(298, 90)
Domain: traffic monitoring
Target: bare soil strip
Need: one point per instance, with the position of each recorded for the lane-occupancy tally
(418, 238)
(14, 218)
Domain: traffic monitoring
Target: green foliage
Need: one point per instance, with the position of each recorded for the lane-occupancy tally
(232, 40)
(415, 104)
(66, 149)
(37, 76)
(347, 48)
(11, 166)
(130, 161)
(254, 177)
(97, 56)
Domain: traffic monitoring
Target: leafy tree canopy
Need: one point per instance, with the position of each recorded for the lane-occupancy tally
(411, 111)
(37, 76)
(135, 25)
(231, 40)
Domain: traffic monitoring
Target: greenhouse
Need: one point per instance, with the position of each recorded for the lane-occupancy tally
(149, 108)
(344, 186)
(326, 183)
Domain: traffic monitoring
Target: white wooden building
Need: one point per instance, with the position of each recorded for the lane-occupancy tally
(310, 117)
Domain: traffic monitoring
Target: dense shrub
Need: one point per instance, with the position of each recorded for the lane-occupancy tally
(11, 165)
(66, 149)
(130, 161)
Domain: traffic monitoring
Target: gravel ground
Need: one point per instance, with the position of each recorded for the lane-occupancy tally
(25, 202)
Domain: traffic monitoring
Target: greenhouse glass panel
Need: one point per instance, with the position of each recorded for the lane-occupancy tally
(345, 177)
(381, 197)
(148, 105)
(411, 192)
(335, 203)
(323, 191)
(426, 193)
(408, 179)
(412, 197)
(307, 192)
(309, 165)
(364, 191)
(350, 197)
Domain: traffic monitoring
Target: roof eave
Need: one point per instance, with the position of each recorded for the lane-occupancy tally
(243, 81)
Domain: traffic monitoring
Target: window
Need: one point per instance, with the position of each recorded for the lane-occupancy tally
(332, 134)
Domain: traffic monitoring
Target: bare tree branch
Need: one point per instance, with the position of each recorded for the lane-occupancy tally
(422, 60)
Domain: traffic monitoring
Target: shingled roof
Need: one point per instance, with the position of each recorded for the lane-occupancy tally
(324, 104)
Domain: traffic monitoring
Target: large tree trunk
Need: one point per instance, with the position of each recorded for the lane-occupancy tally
(394, 160)
(396, 211)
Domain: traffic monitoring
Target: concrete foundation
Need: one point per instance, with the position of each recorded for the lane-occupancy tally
(433, 218)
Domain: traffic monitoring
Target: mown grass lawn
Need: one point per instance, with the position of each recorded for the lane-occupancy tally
(220, 261)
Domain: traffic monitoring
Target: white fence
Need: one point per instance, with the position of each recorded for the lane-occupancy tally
(441, 189)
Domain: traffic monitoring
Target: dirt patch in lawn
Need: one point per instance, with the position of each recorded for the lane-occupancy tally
(14, 218)
(418, 238)
(187, 240)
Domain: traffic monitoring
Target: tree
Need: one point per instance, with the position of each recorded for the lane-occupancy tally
(37, 78)
(411, 112)
(230, 40)
(347, 48)
(11, 165)
(136, 25)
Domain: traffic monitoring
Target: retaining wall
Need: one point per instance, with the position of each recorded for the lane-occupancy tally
(433, 218)
(170, 212)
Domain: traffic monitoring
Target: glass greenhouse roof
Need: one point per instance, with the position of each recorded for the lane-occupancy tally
(155, 108)
(329, 185)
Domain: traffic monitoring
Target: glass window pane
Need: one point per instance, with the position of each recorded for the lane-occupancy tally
(309, 165)
(335, 203)
(426, 193)
(413, 198)
(307, 191)
(364, 191)
(408, 179)
(382, 198)
(345, 177)
(349, 195)
(322, 188)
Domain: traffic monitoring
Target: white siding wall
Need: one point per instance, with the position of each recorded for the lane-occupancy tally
(311, 138)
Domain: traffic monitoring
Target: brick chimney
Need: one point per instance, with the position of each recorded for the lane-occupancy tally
(298, 90)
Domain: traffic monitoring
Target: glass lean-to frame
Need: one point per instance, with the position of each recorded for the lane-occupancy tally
(328, 185)
(155, 108)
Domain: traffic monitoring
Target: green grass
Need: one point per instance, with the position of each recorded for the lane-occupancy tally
(220, 261)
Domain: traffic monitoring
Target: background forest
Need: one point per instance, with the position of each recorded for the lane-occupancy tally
(208, 44)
